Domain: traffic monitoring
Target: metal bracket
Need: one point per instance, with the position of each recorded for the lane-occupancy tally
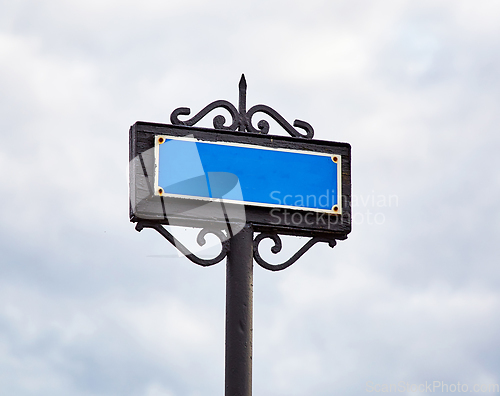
(277, 248)
(241, 118)
(200, 240)
(226, 245)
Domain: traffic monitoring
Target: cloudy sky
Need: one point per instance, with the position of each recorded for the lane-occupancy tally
(88, 306)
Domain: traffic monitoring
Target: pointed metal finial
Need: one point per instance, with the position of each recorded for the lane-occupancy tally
(243, 83)
(243, 102)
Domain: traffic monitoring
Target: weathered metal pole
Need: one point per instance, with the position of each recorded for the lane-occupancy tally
(239, 307)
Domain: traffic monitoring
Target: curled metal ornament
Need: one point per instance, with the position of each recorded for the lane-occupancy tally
(200, 240)
(218, 121)
(263, 125)
(277, 248)
(241, 118)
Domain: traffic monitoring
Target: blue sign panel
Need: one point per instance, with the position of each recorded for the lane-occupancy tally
(252, 175)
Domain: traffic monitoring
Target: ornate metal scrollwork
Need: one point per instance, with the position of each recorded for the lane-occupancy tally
(277, 248)
(263, 125)
(219, 120)
(242, 119)
(225, 242)
(200, 240)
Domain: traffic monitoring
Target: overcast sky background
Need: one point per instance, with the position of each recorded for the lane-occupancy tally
(91, 307)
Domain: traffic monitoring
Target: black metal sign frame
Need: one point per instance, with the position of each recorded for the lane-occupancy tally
(284, 221)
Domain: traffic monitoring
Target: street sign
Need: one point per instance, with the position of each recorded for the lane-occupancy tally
(192, 176)
(246, 174)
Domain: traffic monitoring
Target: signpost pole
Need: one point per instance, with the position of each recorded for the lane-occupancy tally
(239, 307)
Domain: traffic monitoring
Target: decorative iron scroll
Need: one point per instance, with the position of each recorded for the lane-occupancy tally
(226, 246)
(241, 118)
(219, 120)
(277, 248)
(200, 240)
